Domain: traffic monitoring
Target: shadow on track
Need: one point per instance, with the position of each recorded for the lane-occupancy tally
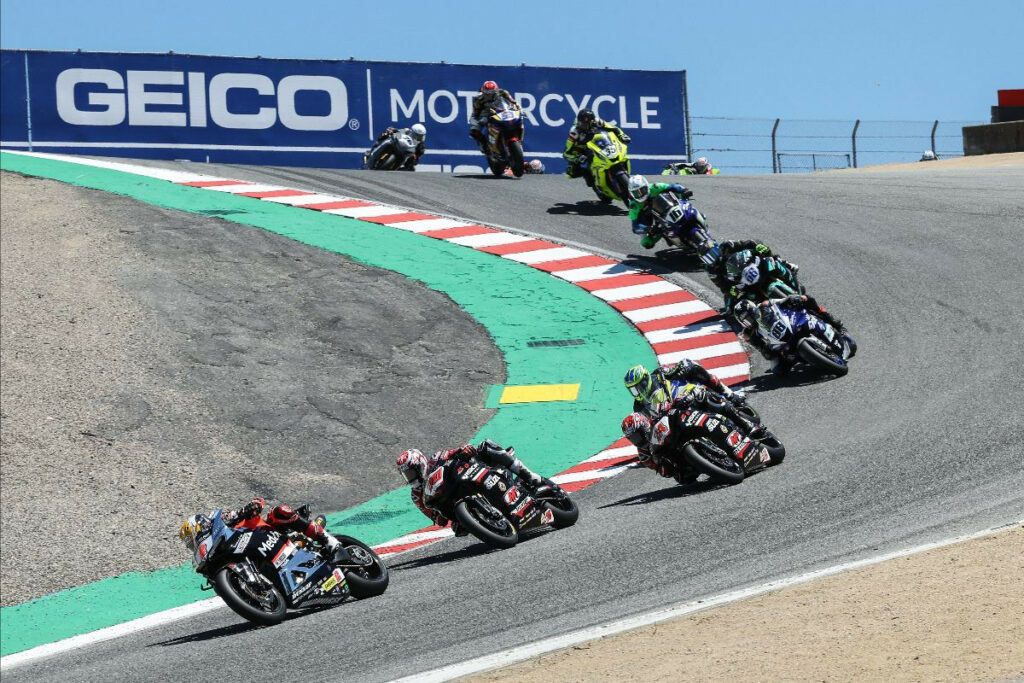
(483, 176)
(211, 634)
(669, 492)
(590, 208)
(445, 557)
(801, 377)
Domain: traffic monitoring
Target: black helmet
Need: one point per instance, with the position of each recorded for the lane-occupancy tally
(585, 119)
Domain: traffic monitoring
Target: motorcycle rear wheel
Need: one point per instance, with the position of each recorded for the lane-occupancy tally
(713, 462)
(477, 522)
(812, 351)
(225, 584)
(364, 582)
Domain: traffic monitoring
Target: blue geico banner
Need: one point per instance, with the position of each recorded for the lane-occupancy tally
(293, 112)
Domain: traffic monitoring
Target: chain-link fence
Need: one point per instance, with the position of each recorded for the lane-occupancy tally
(742, 145)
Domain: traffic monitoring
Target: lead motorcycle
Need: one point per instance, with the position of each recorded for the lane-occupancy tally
(262, 573)
(703, 442)
(490, 503)
(799, 335)
(683, 226)
(505, 138)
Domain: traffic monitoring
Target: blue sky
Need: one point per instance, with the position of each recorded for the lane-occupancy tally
(876, 60)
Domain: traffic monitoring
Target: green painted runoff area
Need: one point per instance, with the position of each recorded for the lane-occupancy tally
(515, 303)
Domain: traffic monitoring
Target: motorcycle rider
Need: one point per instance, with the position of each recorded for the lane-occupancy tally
(651, 389)
(700, 167)
(641, 192)
(586, 126)
(654, 453)
(418, 132)
(416, 467)
(282, 518)
(749, 316)
(482, 103)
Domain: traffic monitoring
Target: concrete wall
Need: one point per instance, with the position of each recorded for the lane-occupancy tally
(994, 138)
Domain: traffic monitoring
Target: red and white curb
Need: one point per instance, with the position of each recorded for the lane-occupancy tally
(674, 321)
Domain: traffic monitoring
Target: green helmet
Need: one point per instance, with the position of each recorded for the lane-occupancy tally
(638, 381)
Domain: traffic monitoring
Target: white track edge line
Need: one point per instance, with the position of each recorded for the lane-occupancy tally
(547, 645)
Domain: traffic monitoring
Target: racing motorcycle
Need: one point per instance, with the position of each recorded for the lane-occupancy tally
(799, 335)
(684, 227)
(505, 138)
(607, 160)
(261, 573)
(706, 443)
(393, 153)
(493, 505)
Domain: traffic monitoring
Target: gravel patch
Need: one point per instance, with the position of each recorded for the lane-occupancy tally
(156, 363)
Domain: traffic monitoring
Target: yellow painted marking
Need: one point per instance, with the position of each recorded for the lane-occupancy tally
(537, 393)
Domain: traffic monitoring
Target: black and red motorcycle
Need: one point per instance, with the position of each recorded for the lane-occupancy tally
(492, 504)
(700, 442)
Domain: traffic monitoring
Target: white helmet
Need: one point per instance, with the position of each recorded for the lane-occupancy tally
(701, 165)
(639, 188)
(419, 132)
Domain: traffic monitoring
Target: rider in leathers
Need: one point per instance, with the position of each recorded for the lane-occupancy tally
(586, 126)
(653, 453)
(748, 314)
(282, 518)
(417, 468)
(482, 103)
(645, 385)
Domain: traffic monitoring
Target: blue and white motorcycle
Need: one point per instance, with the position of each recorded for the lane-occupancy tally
(683, 226)
(799, 335)
(261, 573)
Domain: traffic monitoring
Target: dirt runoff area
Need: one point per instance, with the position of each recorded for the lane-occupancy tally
(155, 363)
(951, 614)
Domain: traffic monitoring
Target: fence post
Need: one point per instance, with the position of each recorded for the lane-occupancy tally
(854, 139)
(934, 127)
(774, 155)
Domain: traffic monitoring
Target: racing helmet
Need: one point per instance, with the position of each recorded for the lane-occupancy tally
(745, 313)
(585, 120)
(413, 465)
(637, 428)
(639, 188)
(639, 382)
(419, 132)
(736, 263)
(702, 165)
(489, 90)
(192, 527)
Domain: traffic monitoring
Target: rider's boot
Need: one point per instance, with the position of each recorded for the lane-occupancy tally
(525, 474)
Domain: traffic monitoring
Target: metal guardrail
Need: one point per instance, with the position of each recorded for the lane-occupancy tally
(749, 145)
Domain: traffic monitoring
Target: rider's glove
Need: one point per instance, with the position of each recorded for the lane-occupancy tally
(737, 398)
(252, 508)
(685, 193)
(762, 249)
(625, 138)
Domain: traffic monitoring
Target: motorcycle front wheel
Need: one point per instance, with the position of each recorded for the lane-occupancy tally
(814, 352)
(267, 610)
(515, 158)
(563, 509)
(371, 578)
(498, 533)
(714, 462)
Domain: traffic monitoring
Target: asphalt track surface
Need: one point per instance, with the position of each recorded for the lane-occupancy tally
(921, 441)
